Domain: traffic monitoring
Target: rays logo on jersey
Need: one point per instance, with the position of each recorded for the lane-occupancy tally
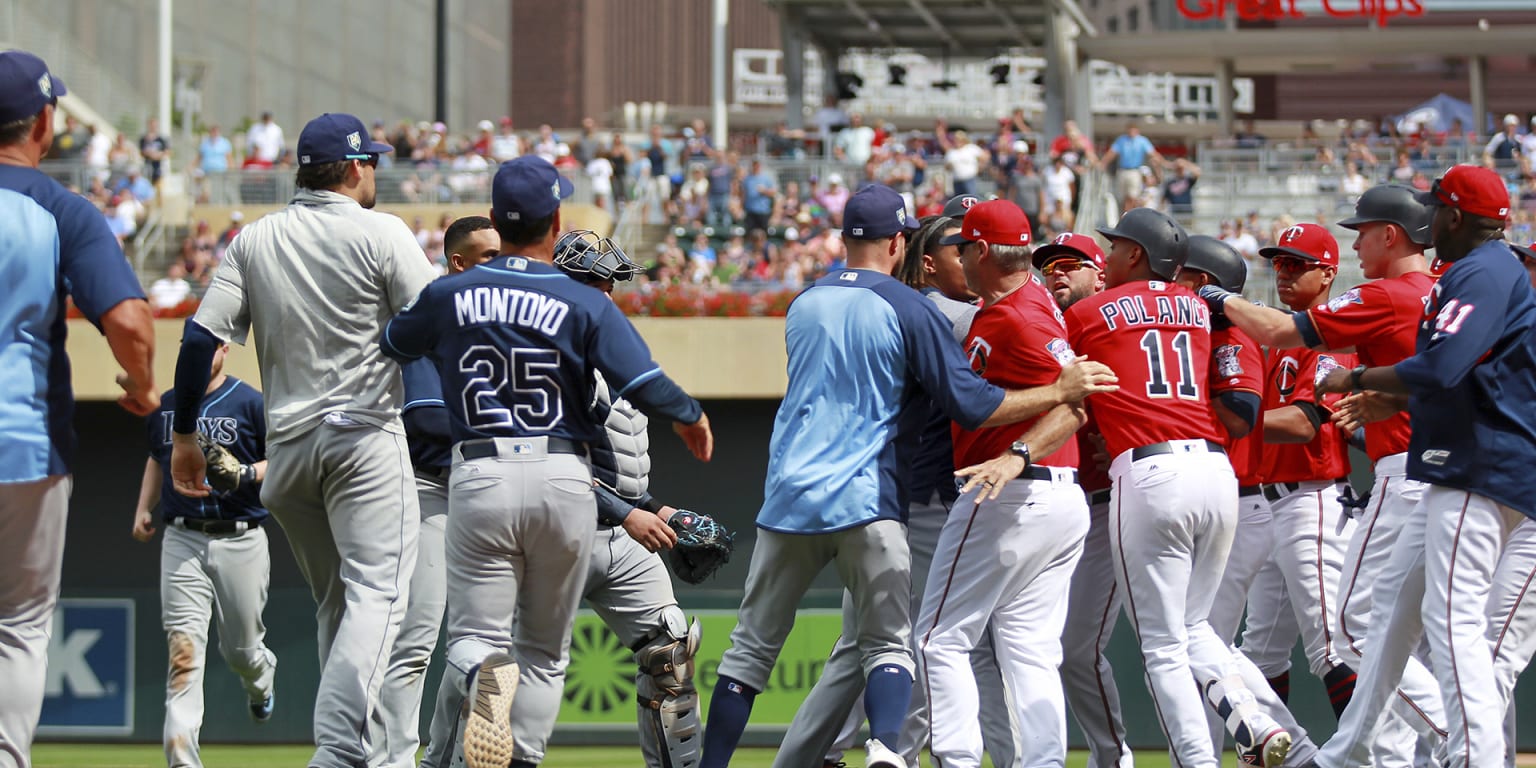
(1227, 364)
(1351, 296)
(1062, 351)
(1325, 365)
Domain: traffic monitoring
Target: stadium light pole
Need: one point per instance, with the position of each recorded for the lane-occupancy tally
(163, 105)
(717, 60)
(440, 64)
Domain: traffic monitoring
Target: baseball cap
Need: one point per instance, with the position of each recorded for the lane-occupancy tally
(336, 136)
(1309, 241)
(26, 86)
(1470, 189)
(485, 125)
(1070, 245)
(1526, 253)
(876, 212)
(958, 205)
(998, 222)
(1021, 146)
(527, 187)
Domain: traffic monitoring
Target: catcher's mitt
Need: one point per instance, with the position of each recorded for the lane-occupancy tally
(225, 472)
(703, 545)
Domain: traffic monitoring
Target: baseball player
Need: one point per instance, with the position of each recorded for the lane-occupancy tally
(864, 351)
(518, 340)
(934, 270)
(316, 281)
(1472, 384)
(54, 243)
(468, 241)
(1378, 319)
(1173, 504)
(214, 560)
(1304, 457)
(1005, 557)
(1073, 265)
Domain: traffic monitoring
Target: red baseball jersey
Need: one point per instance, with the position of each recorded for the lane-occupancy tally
(1380, 319)
(1293, 375)
(1017, 343)
(1091, 474)
(1237, 365)
(1156, 337)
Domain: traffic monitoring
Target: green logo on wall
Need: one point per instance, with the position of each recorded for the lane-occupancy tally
(601, 675)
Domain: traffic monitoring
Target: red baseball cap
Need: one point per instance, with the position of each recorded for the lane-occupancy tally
(998, 222)
(1526, 253)
(1309, 241)
(1070, 245)
(1470, 189)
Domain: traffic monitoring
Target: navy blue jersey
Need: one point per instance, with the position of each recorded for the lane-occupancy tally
(231, 416)
(515, 341)
(53, 243)
(1473, 381)
(868, 359)
(425, 416)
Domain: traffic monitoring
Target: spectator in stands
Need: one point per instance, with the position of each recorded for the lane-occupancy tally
(264, 143)
(507, 144)
(1528, 142)
(484, 138)
(1125, 158)
(153, 147)
(1249, 137)
(435, 240)
(588, 143)
(833, 198)
(215, 156)
(1503, 149)
(783, 142)
(855, 143)
(658, 154)
(98, 153)
(600, 173)
(377, 133)
(127, 213)
(469, 180)
(197, 252)
(622, 159)
(171, 290)
(236, 221)
(1233, 234)
(1060, 188)
(701, 259)
(70, 143)
(1026, 188)
(1402, 172)
(693, 197)
(722, 178)
(1354, 183)
(1074, 147)
(758, 191)
(120, 157)
(964, 159)
(1179, 188)
(134, 181)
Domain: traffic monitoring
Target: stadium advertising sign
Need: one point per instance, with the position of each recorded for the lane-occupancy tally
(89, 687)
(1379, 11)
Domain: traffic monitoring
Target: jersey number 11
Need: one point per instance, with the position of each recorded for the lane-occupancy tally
(1157, 376)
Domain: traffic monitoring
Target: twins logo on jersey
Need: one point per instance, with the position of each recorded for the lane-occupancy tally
(1285, 377)
(1351, 296)
(980, 349)
(1325, 365)
(1228, 366)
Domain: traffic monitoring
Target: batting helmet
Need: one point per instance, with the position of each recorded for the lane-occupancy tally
(588, 258)
(1217, 259)
(1393, 203)
(1163, 240)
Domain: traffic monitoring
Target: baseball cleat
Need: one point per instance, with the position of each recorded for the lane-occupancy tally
(881, 756)
(1268, 751)
(488, 727)
(261, 711)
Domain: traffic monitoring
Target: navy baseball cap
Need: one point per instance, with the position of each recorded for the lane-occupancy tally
(26, 86)
(336, 136)
(876, 212)
(958, 205)
(527, 188)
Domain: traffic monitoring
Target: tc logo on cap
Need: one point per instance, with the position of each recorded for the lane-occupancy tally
(967, 201)
(1290, 234)
(1062, 238)
(355, 141)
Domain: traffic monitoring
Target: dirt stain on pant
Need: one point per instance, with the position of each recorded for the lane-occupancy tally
(183, 660)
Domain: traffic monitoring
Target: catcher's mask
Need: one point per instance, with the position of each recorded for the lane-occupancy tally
(586, 257)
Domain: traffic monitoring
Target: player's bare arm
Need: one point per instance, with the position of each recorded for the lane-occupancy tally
(130, 331)
(1077, 381)
(1235, 425)
(649, 529)
(1382, 378)
(189, 468)
(1047, 435)
(697, 436)
(149, 494)
(1356, 410)
(1271, 327)
(1289, 425)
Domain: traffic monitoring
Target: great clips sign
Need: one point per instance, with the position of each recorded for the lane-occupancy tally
(1380, 11)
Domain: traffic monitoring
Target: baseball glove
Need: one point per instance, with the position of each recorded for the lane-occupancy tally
(703, 545)
(225, 472)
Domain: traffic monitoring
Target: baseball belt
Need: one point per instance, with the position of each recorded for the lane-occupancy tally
(1250, 490)
(1278, 491)
(213, 527)
(1033, 472)
(1164, 448)
(1098, 497)
(485, 449)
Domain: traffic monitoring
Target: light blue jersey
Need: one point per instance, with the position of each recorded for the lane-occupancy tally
(866, 356)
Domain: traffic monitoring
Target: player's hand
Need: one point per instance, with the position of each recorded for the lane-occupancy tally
(1083, 378)
(1216, 297)
(138, 398)
(189, 470)
(649, 530)
(1355, 411)
(143, 525)
(1100, 455)
(1337, 380)
(697, 436)
(991, 475)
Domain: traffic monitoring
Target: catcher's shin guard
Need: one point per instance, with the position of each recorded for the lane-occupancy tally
(670, 732)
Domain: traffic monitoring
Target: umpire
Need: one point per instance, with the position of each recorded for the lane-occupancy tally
(316, 281)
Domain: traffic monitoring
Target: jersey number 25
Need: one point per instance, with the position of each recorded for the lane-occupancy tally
(530, 374)
(1157, 375)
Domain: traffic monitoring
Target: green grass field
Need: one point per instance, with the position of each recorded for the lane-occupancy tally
(234, 756)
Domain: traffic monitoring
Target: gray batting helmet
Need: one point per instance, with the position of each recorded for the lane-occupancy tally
(585, 256)
(1164, 241)
(1393, 203)
(1217, 259)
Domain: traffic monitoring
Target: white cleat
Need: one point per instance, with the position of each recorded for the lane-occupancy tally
(488, 726)
(878, 755)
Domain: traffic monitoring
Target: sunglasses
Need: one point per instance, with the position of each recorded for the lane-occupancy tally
(1063, 267)
(1294, 264)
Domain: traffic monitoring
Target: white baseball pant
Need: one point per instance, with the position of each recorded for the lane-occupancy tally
(1008, 561)
(32, 522)
(1093, 608)
(1309, 551)
(1512, 621)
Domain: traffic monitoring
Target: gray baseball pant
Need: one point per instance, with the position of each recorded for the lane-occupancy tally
(823, 723)
(227, 577)
(32, 517)
(396, 728)
(344, 494)
(518, 519)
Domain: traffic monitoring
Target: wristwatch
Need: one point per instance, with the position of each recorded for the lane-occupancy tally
(1021, 449)
(1354, 377)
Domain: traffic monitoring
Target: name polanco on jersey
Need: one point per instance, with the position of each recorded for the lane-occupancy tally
(1166, 310)
(482, 304)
